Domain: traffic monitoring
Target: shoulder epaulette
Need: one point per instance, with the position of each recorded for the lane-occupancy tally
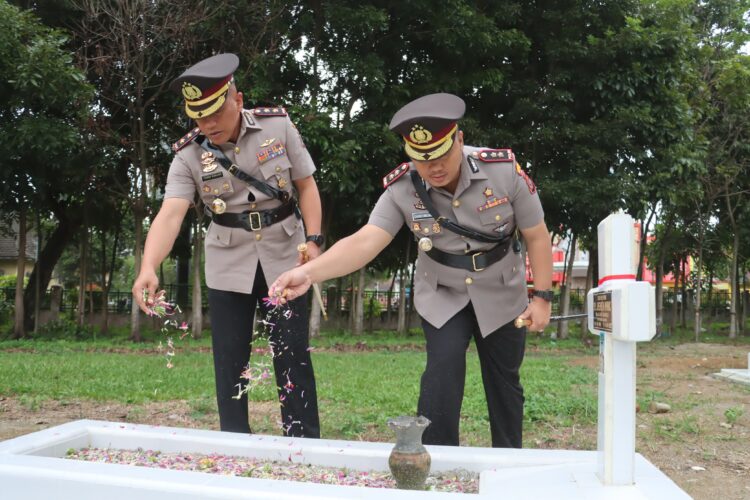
(491, 155)
(186, 139)
(395, 174)
(278, 111)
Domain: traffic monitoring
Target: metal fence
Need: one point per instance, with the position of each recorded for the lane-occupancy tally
(375, 301)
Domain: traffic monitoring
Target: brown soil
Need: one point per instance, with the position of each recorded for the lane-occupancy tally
(701, 443)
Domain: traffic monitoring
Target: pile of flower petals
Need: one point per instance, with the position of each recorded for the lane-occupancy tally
(455, 481)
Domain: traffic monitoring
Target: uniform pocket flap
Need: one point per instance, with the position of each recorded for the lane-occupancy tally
(275, 167)
(221, 235)
(291, 224)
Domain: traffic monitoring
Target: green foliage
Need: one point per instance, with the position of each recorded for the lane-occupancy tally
(9, 281)
(732, 414)
(65, 329)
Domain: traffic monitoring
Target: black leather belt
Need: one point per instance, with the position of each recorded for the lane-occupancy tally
(476, 261)
(253, 221)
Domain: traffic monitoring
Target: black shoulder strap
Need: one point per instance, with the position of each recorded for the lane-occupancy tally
(448, 224)
(233, 169)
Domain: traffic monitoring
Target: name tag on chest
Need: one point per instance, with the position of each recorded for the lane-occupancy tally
(420, 215)
(214, 175)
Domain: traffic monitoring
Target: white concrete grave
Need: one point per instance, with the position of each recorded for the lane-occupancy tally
(737, 375)
(31, 467)
(620, 311)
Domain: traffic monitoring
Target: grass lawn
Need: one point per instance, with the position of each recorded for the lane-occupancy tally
(362, 381)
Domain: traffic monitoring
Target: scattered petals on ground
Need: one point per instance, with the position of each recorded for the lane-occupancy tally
(452, 481)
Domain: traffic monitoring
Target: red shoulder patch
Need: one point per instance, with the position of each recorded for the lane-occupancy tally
(186, 139)
(395, 174)
(492, 155)
(277, 111)
(529, 183)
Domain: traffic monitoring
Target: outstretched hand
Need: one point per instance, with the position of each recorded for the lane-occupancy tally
(144, 290)
(290, 285)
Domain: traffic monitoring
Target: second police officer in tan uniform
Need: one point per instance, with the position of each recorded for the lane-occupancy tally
(463, 204)
(244, 165)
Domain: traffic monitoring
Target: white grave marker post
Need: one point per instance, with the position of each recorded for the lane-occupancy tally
(621, 311)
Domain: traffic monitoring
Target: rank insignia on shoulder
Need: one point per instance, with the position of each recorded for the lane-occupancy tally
(529, 183)
(395, 174)
(491, 155)
(186, 139)
(277, 111)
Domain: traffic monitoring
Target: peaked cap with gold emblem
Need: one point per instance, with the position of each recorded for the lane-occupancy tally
(428, 125)
(204, 85)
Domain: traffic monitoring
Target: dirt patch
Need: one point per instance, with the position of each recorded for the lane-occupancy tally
(701, 443)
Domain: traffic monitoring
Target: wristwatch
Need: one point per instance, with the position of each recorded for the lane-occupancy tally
(318, 239)
(547, 295)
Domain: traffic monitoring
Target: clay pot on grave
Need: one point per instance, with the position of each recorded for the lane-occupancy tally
(409, 460)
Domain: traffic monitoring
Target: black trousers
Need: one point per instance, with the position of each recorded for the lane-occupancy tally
(232, 316)
(442, 388)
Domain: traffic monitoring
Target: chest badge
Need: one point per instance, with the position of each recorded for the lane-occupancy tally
(419, 205)
(281, 182)
(492, 202)
(219, 206)
(208, 161)
(425, 244)
(487, 192)
(267, 142)
(269, 153)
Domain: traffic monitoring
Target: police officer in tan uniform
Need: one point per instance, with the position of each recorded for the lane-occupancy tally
(246, 166)
(463, 205)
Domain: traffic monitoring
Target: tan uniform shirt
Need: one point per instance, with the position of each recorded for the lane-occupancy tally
(492, 197)
(270, 149)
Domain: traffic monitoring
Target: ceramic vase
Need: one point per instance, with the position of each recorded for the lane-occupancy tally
(409, 460)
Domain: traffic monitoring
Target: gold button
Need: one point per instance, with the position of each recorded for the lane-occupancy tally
(497, 217)
(253, 205)
(236, 149)
(258, 236)
(216, 191)
(426, 230)
(469, 281)
(456, 203)
(278, 169)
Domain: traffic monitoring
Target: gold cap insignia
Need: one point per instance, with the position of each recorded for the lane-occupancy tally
(420, 135)
(190, 92)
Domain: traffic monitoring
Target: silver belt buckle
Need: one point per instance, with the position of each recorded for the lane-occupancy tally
(253, 218)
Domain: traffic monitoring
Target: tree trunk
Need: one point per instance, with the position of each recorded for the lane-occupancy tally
(135, 311)
(698, 293)
(642, 245)
(197, 303)
(37, 278)
(562, 326)
(69, 220)
(18, 328)
(675, 305)
(81, 313)
(359, 318)
(403, 326)
(659, 291)
(733, 276)
(589, 283)
(315, 311)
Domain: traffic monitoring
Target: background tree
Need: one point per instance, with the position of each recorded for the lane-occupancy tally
(44, 101)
